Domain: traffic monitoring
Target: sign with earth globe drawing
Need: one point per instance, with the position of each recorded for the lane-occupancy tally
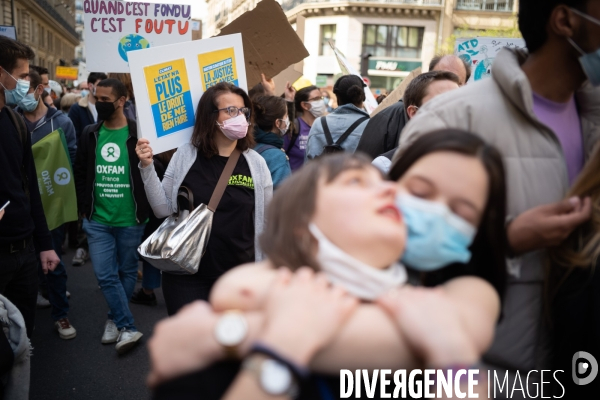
(130, 43)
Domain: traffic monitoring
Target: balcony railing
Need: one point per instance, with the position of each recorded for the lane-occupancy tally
(54, 14)
(289, 4)
(485, 5)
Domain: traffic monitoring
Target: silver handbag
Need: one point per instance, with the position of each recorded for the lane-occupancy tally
(179, 243)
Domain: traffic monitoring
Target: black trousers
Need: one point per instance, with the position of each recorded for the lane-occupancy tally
(180, 290)
(19, 282)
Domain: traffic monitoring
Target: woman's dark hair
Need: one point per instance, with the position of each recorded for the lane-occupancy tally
(490, 245)
(286, 239)
(205, 129)
(534, 16)
(268, 109)
(349, 89)
(301, 96)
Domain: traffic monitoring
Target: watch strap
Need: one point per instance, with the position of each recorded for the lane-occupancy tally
(254, 364)
(299, 372)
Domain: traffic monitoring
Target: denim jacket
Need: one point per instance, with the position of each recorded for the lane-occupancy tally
(338, 122)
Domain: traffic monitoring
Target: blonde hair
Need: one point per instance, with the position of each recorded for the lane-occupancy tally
(582, 248)
(68, 100)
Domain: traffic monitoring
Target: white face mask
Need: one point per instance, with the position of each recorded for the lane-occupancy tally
(357, 278)
(283, 131)
(317, 108)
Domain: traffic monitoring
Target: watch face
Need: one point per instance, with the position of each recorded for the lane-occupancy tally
(231, 329)
(275, 378)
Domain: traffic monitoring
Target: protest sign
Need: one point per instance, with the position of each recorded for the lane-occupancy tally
(292, 73)
(480, 53)
(347, 69)
(169, 81)
(70, 73)
(270, 43)
(8, 31)
(397, 94)
(114, 28)
(55, 179)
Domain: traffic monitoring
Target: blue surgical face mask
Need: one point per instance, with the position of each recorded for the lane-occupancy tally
(590, 62)
(84, 93)
(436, 236)
(29, 102)
(12, 97)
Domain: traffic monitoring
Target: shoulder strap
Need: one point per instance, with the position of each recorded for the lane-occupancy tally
(264, 148)
(19, 124)
(215, 199)
(350, 130)
(294, 135)
(326, 131)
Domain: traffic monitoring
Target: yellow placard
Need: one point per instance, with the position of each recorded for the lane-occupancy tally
(218, 66)
(70, 73)
(170, 96)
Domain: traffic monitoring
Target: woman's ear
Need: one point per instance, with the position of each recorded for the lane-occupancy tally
(305, 105)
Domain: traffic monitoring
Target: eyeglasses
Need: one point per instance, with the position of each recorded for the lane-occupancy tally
(315, 99)
(234, 111)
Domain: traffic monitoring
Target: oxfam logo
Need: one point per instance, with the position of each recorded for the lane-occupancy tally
(110, 152)
(62, 176)
(130, 43)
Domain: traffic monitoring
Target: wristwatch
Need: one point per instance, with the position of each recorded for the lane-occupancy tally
(230, 331)
(274, 377)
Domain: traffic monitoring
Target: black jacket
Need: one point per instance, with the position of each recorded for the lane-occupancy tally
(85, 172)
(382, 133)
(81, 116)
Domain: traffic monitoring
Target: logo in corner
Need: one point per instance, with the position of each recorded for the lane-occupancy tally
(580, 368)
(62, 176)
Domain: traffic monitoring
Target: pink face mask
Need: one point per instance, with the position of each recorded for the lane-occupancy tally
(235, 128)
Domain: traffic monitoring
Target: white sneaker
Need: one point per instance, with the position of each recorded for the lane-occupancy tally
(42, 302)
(111, 333)
(127, 340)
(65, 329)
(81, 256)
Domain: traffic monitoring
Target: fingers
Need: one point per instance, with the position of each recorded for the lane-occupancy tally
(565, 206)
(580, 213)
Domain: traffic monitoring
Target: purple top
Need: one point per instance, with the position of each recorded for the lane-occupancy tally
(296, 153)
(563, 119)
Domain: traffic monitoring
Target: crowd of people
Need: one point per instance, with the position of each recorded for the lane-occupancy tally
(457, 228)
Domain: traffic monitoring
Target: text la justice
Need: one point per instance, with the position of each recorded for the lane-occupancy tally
(110, 169)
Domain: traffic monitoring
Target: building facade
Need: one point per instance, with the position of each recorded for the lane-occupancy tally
(47, 26)
(399, 35)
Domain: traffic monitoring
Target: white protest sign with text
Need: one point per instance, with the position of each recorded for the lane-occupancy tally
(168, 82)
(480, 53)
(114, 28)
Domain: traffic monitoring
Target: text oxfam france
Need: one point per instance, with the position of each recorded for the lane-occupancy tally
(157, 13)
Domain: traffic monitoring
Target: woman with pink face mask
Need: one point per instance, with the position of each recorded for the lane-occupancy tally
(223, 118)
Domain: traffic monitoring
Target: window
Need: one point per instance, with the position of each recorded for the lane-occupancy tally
(327, 34)
(79, 5)
(393, 41)
(79, 18)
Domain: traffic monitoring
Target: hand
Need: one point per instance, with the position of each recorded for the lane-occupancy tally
(183, 343)
(290, 92)
(49, 260)
(268, 84)
(303, 314)
(1, 214)
(547, 225)
(144, 152)
(431, 324)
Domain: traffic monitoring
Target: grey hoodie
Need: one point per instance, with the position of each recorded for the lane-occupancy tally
(16, 381)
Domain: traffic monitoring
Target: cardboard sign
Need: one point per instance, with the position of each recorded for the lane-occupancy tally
(270, 43)
(8, 31)
(397, 94)
(70, 73)
(169, 81)
(480, 53)
(347, 69)
(114, 28)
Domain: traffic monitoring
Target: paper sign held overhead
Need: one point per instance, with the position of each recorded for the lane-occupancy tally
(480, 53)
(169, 82)
(115, 28)
(270, 43)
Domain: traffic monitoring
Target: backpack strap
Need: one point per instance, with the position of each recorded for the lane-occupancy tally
(19, 124)
(264, 148)
(350, 130)
(294, 135)
(326, 131)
